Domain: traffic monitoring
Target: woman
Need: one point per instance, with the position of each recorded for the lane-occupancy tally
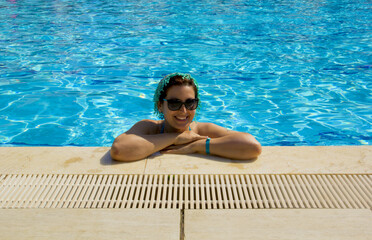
(176, 100)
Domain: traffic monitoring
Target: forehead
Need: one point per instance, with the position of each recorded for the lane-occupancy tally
(181, 92)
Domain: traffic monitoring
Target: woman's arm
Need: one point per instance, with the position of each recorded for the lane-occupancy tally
(223, 143)
(138, 142)
(141, 141)
(237, 145)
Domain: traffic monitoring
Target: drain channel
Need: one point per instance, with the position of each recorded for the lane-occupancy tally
(256, 191)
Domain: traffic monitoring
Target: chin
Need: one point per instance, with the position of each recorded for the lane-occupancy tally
(181, 128)
(179, 125)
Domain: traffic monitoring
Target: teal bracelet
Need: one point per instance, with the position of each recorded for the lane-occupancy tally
(207, 146)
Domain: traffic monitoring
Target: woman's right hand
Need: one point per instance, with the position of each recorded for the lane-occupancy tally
(187, 137)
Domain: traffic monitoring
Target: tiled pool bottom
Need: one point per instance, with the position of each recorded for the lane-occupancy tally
(301, 192)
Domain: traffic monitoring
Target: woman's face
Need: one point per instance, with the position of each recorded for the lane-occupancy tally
(178, 120)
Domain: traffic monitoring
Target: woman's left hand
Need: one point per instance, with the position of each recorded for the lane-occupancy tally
(179, 149)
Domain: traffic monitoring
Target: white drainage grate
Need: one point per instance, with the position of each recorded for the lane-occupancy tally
(186, 191)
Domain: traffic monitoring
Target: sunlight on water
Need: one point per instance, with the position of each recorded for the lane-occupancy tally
(288, 72)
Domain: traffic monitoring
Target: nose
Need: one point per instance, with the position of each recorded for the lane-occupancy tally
(183, 108)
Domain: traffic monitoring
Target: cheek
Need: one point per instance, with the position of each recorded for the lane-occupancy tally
(165, 111)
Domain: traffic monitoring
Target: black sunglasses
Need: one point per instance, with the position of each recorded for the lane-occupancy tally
(176, 104)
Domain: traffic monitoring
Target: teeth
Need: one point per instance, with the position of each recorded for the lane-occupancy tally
(181, 118)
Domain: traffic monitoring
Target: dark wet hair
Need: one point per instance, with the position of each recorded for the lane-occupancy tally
(173, 79)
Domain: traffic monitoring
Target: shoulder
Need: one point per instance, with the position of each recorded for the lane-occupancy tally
(211, 130)
(146, 126)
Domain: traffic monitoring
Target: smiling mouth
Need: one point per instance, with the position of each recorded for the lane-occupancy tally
(181, 118)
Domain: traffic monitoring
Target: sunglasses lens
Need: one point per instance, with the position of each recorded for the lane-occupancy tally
(191, 104)
(175, 104)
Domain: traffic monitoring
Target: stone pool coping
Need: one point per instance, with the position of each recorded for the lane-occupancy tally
(46, 223)
(273, 160)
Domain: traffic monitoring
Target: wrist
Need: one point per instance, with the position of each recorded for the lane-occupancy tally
(199, 146)
(207, 149)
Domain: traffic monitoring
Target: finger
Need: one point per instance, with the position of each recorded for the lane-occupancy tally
(175, 151)
(172, 147)
(203, 137)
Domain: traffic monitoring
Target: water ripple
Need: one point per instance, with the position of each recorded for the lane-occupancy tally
(82, 72)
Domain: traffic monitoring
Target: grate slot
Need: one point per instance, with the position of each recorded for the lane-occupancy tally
(84, 192)
(196, 191)
(90, 189)
(213, 192)
(170, 190)
(185, 191)
(23, 189)
(36, 191)
(261, 191)
(356, 201)
(291, 191)
(138, 187)
(240, 192)
(288, 199)
(277, 192)
(191, 192)
(362, 183)
(333, 192)
(303, 201)
(48, 191)
(141, 193)
(224, 197)
(186, 199)
(267, 190)
(251, 191)
(313, 192)
(7, 186)
(273, 198)
(326, 193)
(16, 193)
(147, 191)
(204, 188)
(357, 190)
(126, 187)
(76, 192)
(219, 194)
(114, 192)
(228, 192)
(181, 202)
(344, 195)
(309, 195)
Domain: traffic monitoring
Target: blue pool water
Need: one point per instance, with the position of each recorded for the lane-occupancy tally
(289, 72)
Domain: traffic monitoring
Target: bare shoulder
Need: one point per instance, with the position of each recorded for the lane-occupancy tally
(212, 130)
(146, 126)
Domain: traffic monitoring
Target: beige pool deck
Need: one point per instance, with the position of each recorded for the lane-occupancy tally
(287, 193)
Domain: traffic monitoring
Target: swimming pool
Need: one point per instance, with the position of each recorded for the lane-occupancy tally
(288, 72)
